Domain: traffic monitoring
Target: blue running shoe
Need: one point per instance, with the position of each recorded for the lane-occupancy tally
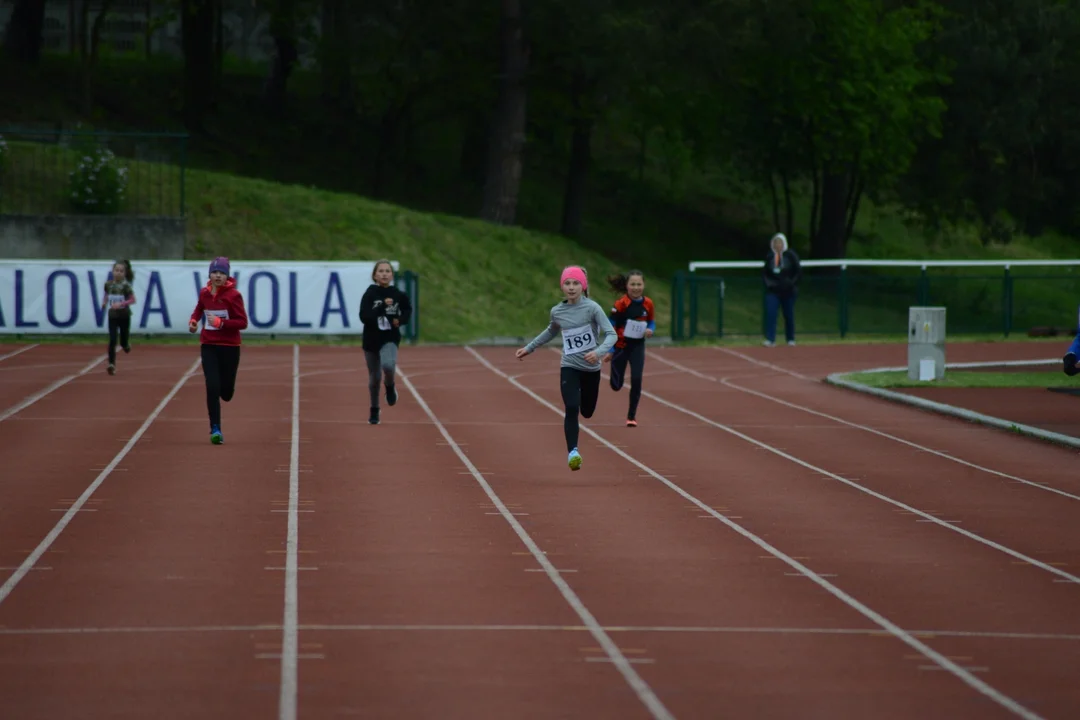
(574, 460)
(215, 435)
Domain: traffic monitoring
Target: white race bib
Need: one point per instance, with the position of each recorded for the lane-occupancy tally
(578, 340)
(223, 314)
(635, 329)
(114, 299)
(384, 323)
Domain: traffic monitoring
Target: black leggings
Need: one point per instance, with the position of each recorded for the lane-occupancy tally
(118, 326)
(634, 354)
(580, 391)
(219, 366)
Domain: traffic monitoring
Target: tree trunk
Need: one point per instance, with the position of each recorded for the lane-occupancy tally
(831, 239)
(24, 35)
(507, 139)
(580, 159)
(335, 62)
(789, 208)
(472, 149)
(90, 58)
(197, 40)
(281, 67)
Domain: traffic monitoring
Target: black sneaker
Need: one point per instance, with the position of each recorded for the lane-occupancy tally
(391, 395)
(1069, 362)
(127, 348)
(373, 419)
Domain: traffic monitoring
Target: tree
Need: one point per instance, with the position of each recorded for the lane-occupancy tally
(837, 94)
(506, 140)
(23, 36)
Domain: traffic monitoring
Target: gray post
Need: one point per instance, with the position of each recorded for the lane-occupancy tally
(926, 343)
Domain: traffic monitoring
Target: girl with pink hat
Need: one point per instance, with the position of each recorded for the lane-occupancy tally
(580, 321)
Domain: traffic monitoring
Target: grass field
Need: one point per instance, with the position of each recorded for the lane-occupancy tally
(969, 379)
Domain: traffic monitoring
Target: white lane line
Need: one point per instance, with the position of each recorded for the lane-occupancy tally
(20, 351)
(62, 523)
(671, 629)
(971, 680)
(762, 363)
(289, 638)
(643, 691)
(30, 400)
(727, 383)
(928, 517)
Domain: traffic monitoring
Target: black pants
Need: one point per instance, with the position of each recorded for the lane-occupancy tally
(634, 354)
(120, 325)
(219, 366)
(580, 391)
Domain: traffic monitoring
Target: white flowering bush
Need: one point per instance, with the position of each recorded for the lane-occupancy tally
(98, 185)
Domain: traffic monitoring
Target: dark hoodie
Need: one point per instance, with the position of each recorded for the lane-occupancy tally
(377, 317)
(781, 277)
(227, 304)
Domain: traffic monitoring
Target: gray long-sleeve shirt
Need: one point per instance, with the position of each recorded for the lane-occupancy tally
(579, 324)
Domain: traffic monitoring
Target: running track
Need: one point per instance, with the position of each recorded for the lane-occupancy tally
(763, 545)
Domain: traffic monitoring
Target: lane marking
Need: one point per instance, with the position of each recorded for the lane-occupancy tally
(660, 629)
(643, 691)
(896, 631)
(20, 351)
(858, 426)
(290, 653)
(926, 516)
(62, 523)
(31, 399)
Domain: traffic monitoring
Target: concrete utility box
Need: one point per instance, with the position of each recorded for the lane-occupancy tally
(926, 343)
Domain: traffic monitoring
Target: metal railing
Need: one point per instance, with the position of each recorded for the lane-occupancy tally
(868, 297)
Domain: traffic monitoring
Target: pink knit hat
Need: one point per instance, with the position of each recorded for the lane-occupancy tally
(577, 273)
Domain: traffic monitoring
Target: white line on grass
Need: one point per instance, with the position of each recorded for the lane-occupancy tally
(643, 691)
(971, 680)
(62, 523)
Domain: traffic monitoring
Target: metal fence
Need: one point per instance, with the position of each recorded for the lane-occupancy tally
(72, 172)
(871, 297)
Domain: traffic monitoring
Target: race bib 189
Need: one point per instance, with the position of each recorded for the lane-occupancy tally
(635, 329)
(223, 314)
(116, 299)
(578, 340)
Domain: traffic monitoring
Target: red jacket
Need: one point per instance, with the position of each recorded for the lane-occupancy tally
(227, 304)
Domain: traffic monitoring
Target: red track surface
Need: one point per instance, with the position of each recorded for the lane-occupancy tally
(762, 545)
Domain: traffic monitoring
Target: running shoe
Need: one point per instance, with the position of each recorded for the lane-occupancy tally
(391, 394)
(574, 461)
(215, 435)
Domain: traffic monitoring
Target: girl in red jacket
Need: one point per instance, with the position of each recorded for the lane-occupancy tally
(221, 309)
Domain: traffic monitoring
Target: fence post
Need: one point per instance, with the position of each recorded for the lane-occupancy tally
(675, 306)
(843, 296)
(412, 289)
(924, 287)
(720, 308)
(1007, 301)
(693, 305)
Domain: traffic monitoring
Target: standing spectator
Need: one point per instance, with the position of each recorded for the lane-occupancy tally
(782, 273)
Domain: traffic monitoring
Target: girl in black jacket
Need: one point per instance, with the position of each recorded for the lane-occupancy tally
(383, 310)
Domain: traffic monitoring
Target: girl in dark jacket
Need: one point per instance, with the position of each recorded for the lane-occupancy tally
(383, 310)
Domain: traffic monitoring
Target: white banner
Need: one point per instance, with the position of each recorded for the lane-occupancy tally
(283, 297)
